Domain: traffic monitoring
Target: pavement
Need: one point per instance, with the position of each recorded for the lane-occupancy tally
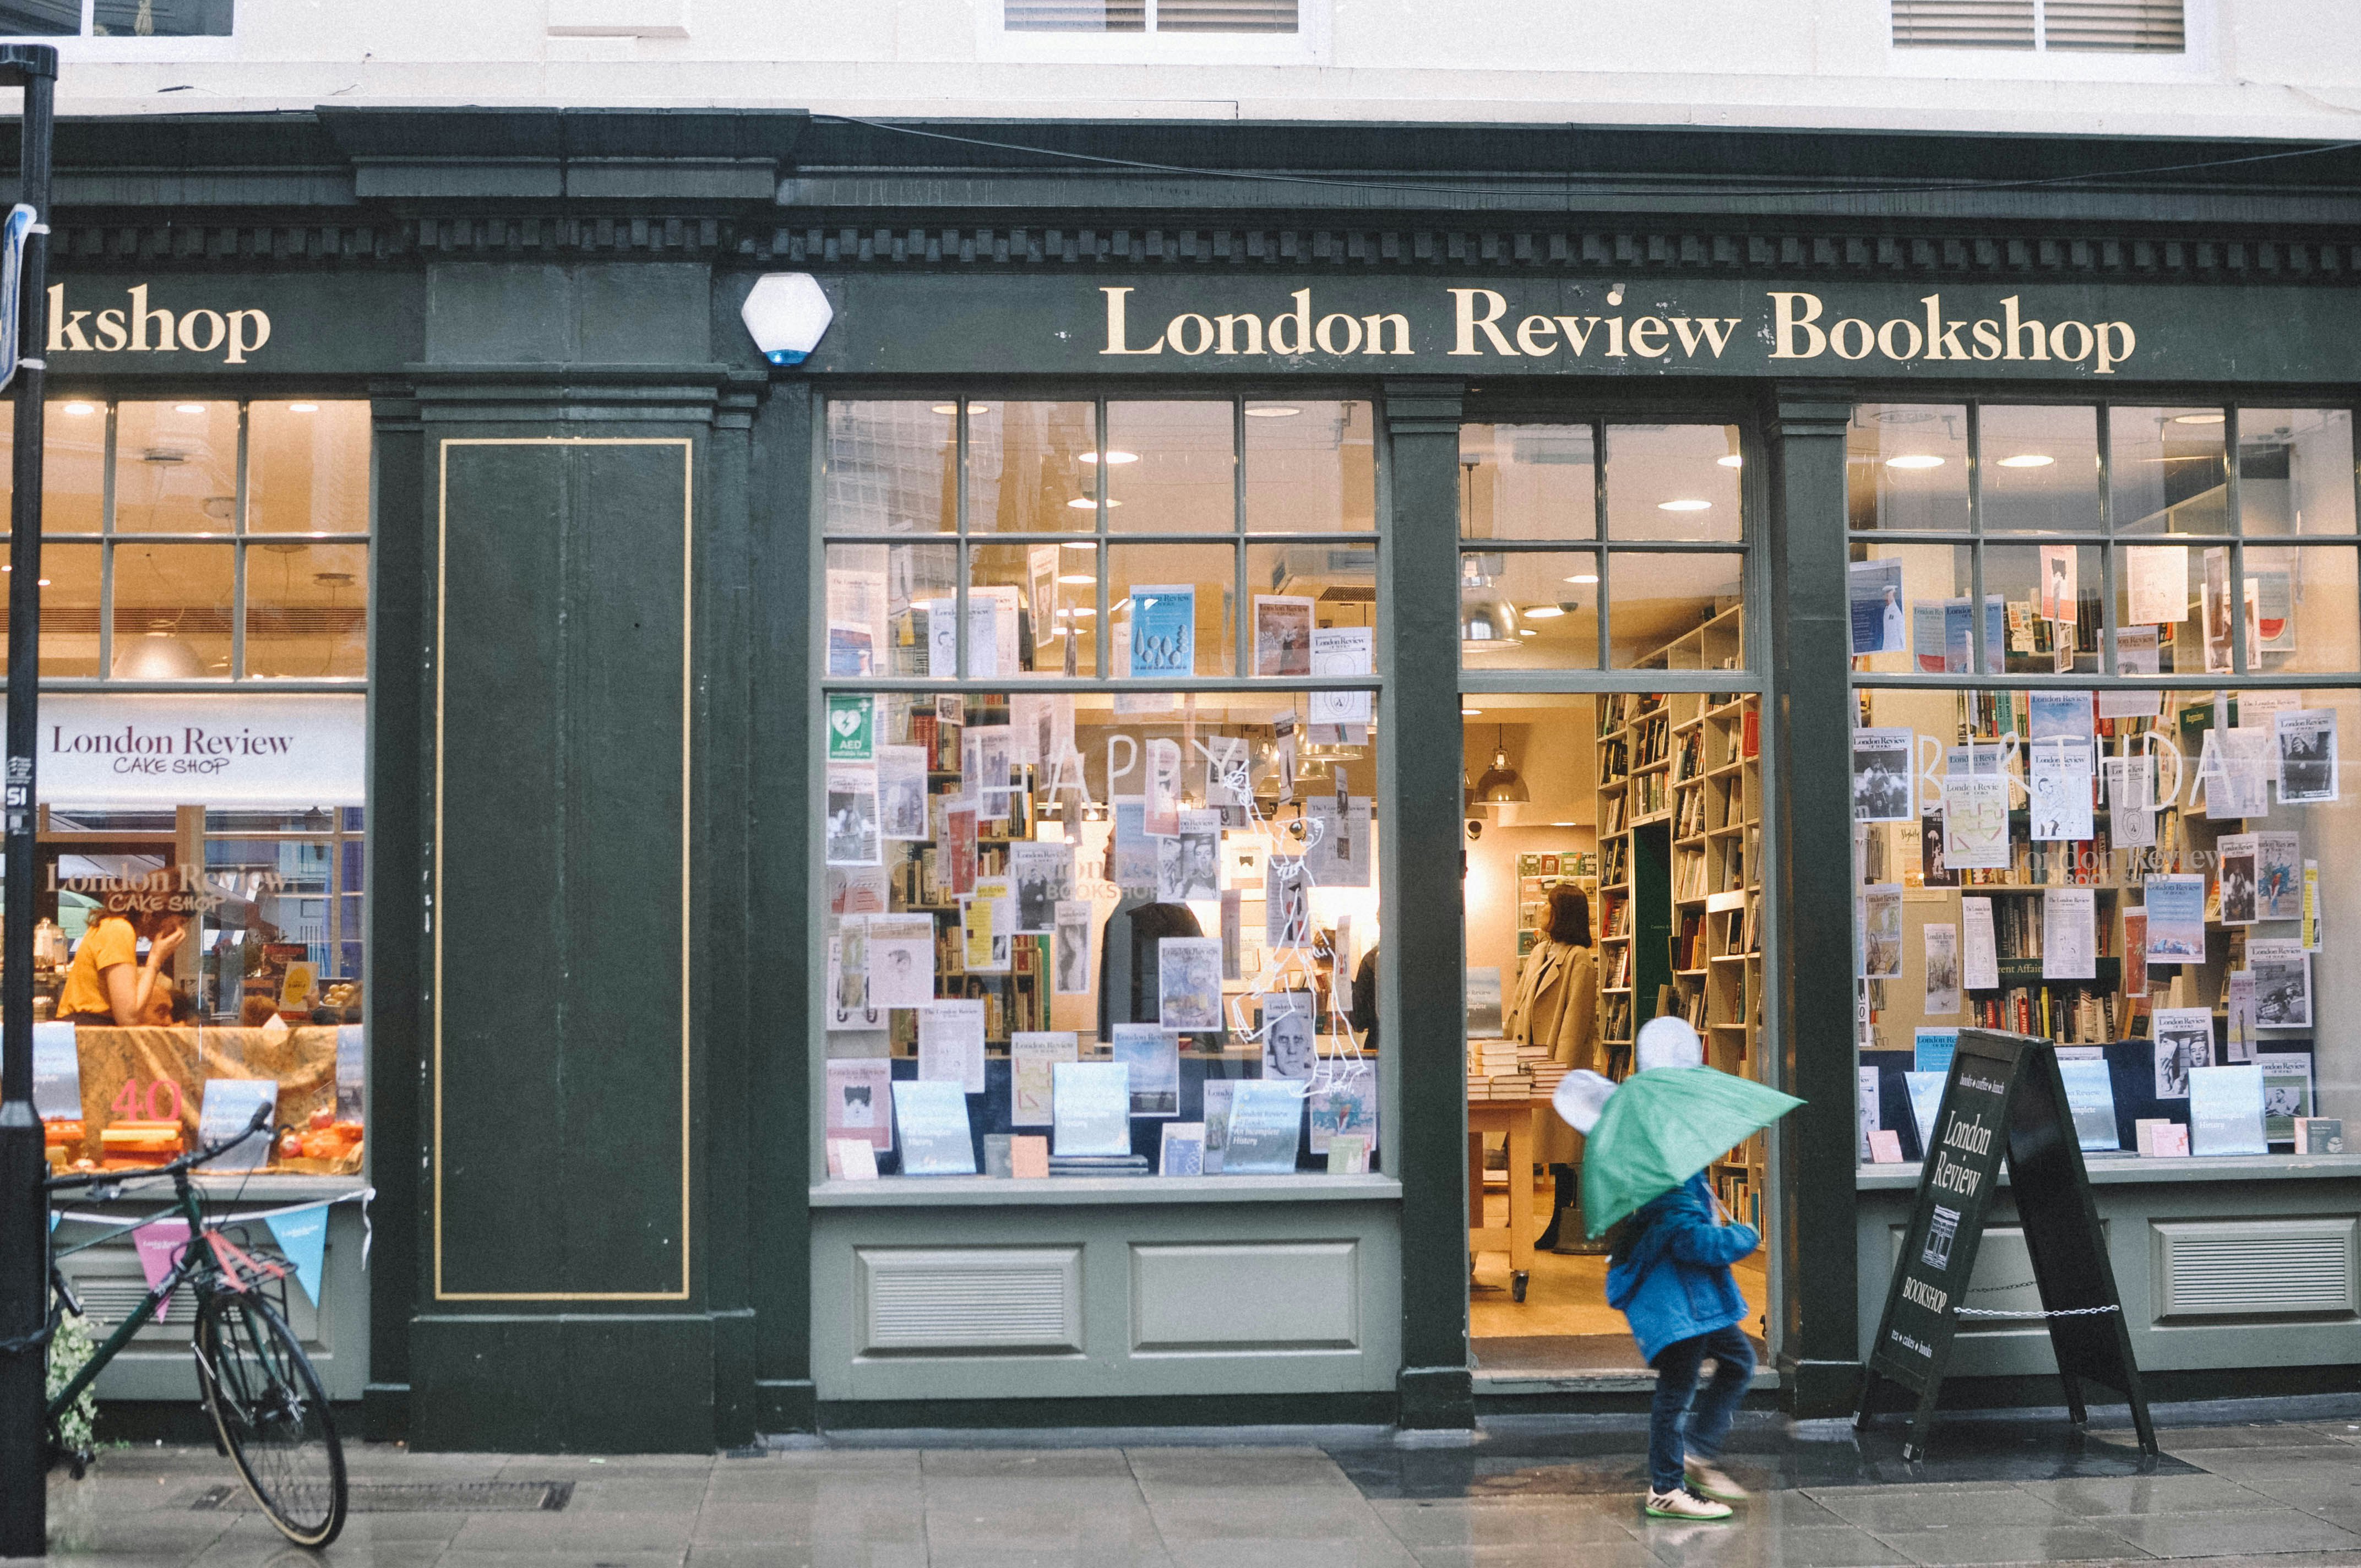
(1547, 1492)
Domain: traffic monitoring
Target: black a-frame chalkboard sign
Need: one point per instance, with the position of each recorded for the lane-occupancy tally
(2004, 1097)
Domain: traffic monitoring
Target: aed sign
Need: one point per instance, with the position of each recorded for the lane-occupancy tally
(288, 751)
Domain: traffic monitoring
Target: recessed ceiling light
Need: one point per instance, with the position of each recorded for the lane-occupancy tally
(1087, 503)
(1114, 458)
(1732, 461)
(1584, 578)
(1470, 712)
(1079, 544)
(302, 408)
(81, 409)
(2027, 460)
(2199, 419)
(188, 408)
(1683, 506)
(1271, 410)
(1915, 460)
(1527, 632)
(1078, 578)
(41, 582)
(1081, 609)
(946, 408)
(1543, 612)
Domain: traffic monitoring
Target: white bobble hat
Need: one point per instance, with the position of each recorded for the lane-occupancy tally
(1579, 1098)
(1668, 1042)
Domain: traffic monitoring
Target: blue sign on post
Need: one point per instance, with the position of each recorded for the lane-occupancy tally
(13, 230)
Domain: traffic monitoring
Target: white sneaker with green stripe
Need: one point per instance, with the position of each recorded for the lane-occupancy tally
(1680, 1503)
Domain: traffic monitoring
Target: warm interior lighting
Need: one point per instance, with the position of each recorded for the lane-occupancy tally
(81, 410)
(1271, 410)
(1080, 544)
(1543, 612)
(1078, 579)
(2027, 460)
(188, 408)
(1915, 460)
(2199, 419)
(1683, 506)
(1584, 578)
(302, 408)
(1470, 712)
(1732, 461)
(1114, 458)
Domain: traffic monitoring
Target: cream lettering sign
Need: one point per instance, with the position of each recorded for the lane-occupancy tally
(1487, 325)
(279, 750)
(136, 326)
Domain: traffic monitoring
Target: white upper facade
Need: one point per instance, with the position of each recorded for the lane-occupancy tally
(2209, 68)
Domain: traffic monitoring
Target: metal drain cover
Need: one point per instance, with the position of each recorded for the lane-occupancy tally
(421, 1498)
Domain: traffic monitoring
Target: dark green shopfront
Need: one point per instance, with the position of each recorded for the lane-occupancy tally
(624, 864)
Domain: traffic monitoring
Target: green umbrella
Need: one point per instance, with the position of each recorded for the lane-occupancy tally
(1661, 1126)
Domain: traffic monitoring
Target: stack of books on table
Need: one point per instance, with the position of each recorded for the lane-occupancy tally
(1496, 1070)
(1544, 1069)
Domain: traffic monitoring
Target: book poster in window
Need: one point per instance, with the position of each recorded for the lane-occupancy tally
(1163, 817)
(1044, 873)
(951, 1042)
(1286, 903)
(2176, 919)
(2307, 755)
(1342, 650)
(986, 756)
(1942, 943)
(2183, 1041)
(1288, 1042)
(1875, 595)
(1188, 982)
(2156, 584)
(2239, 1004)
(1979, 956)
(1187, 864)
(1163, 631)
(2059, 715)
(937, 1138)
(1282, 635)
(2059, 787)
(902, 792)
(2287, 1090)
(860, 1101)
(1152, 1056)
(1073, 938)
(2134, 953)
(2282, 982)
(1346, 1106)
(1881, 775)
(2068, 927)
(901, 961)
(2130, 784)
(851, 836)
(1976, 822)
(2234, 864)
(1880, 932)
(2060, 598)
(2278, 876)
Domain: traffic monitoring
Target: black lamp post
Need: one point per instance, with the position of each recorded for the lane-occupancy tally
(24, 1207)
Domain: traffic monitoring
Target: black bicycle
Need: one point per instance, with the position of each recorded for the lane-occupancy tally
(268, 1410)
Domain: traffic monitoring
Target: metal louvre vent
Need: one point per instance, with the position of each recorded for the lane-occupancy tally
(923, 1299)
(2086, 27)
(1074, 15)
(1226, 16)
(2266, 1269)
(1963, 23)
(2123, 27)
(113, 1300)
(1133, 16)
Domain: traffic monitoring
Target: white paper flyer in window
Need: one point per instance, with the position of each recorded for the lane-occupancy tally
(2156, 586)
(1163, 631)
(2282, 982)
(1975, 821)
(1880, 931)
(1342, 650)
(2068, 927)
(2060, 789)
(1942, 945)
(1289, 1045)
(1189, 864)
(2307, 755)
(2278, 876)
(1979, 961)
(851, 835)
(1188, 982)
(2183, 1041)
(1164, 815)
(2130, 784)
(901, 961)
(2061, 599)
(1282, 635)
(950, 1041)
(902, 792)
(1882, 787)
(1073, 941)
(1044, 873)
(1875, 594)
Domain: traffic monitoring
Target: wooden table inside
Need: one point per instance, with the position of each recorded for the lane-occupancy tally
(1514, 1118)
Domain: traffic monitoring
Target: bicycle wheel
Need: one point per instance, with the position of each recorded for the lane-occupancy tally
(272, 1416)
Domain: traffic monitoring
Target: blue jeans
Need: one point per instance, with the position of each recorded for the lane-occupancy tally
(1676, 1381)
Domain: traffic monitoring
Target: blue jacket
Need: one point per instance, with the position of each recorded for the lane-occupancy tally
(1673, 1281)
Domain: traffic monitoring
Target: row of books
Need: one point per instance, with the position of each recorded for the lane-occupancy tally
(1647, 794)
(2068, 1017)
(1651, 739)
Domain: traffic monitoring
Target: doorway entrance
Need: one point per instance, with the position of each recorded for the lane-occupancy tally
(1615, 861)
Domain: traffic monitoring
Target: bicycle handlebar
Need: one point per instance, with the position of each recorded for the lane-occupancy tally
(180, 1167)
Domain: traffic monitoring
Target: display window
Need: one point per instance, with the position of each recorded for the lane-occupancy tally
(2103, 658)
(199, 947)
(1100, 819)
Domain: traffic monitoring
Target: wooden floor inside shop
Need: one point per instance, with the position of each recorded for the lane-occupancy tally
(1564, 1326)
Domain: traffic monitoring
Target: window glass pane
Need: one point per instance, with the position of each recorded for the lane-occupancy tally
(1909, 609)
(2051, 597)
(1528, 481)
(1907, 466)
(2307, 614)
(307, 610)
(1054, 588)
(893, 468)
(307, 467)
(161, 18)
(881, 602)
(1673, 481)
(69, 610)
(176, 468)
(172, 610)
(1298, 590)
(2295, 470)
(1170, 605)
(40, 19)
(2160, 608)
(1310, 466)
(1528, 610)
(74, 466)
(2166, 470)
(1030, 467)
(1677, 612)
(2040, 468)
(1014, 880)
(1172, 467)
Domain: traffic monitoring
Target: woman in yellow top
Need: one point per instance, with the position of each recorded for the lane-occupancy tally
(1557, 1005)
(108, 983)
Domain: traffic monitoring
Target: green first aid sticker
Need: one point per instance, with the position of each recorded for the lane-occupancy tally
(851, 730)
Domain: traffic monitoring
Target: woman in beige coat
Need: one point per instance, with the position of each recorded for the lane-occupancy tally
(1557, 1005)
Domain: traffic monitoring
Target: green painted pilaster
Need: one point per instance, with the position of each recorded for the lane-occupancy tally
(1425, 1043)
(1810, 673)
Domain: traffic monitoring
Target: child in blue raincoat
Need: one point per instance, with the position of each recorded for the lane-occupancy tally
(1669, 1275)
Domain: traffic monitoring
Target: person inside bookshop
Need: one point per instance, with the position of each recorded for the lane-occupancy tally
(107, 983)
(1556, 1007)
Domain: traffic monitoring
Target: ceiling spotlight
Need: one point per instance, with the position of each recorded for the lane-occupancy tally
(1470, 712)
(1271, 410)
(1090, 503)
(2200, 418)
(1077, 579)
(302, 408)
(1683, 506)
(82, 410)
(1915, 460)
(188, 408)
(1081, 543)
(1584, 578)
(1113, 457)
(1543, 612)
(2027, 460)
(1732, 461)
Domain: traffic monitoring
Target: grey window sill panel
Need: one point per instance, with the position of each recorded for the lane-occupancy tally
(1061, 1191)
(1605, 1380)
(232, 1193)
(2120, 1170)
